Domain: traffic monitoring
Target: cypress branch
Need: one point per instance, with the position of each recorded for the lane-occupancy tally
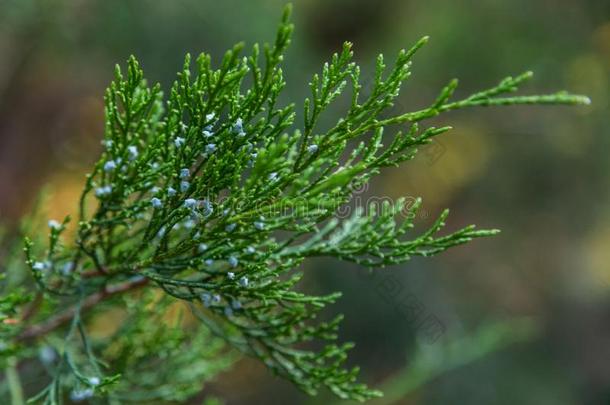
(213, 196)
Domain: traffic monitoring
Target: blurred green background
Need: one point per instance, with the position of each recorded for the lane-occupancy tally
(541, 174)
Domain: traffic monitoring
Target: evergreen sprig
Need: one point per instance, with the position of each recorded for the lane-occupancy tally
(215, 197)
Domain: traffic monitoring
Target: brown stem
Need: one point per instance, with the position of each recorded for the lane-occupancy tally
(94, 273)
(32, 308)
(65, 316)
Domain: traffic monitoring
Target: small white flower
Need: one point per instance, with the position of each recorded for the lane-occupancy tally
(155, 190)
(250, 250)
(202, 247)
(233, 261)
(156, 203)
(206, 133)
(210, 117)
(107, 143)
(243, 281)
(312, 148)
(103, 191)
(53, 224)
(209, 262)
(273, 176)
(179, 141)
(216, 298)
(40, 266)
(205, 299)
(190, 203)
(94, 381)
(230, 227)
(210, 148)
(184, 173)
(184, 186)
(238, 127)
(81, 395)
(241, 134)
(155, 165)
(47, 355)
(109, 166)
(171, 191)
(259, 225)
(231, 275)
(133, 152)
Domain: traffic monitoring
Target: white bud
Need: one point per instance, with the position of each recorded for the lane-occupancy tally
(156, 203)
(179, 141)
(243, 281)
(81, 395)
(40, 266)
(133, 152)
(95, 381)
(109, 166)
(47, 355)
(210, 148)
(53, 224)
(238, 127)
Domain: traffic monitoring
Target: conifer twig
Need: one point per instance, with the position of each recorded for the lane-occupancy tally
(64, 317)
(217, 195)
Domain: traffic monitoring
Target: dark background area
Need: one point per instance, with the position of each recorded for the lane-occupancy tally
(541, 174)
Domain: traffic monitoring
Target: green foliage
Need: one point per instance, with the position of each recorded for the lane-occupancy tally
(214, 198)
